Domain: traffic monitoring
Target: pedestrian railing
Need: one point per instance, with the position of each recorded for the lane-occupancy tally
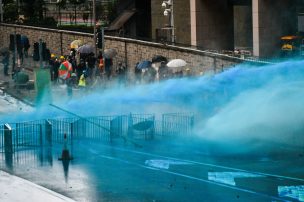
(14, 136)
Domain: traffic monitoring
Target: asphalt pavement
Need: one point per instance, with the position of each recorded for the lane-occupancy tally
(160, 170)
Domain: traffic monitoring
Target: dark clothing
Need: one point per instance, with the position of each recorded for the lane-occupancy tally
(5, 62)
(137, 72)
(55, 69)
(51, 64)
(91, 61)
(108, 67)
(80, 68)
(26, 45)
(121, 73)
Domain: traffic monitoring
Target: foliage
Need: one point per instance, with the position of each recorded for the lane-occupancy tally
(33, 9)
(61, 4)
(10, 14)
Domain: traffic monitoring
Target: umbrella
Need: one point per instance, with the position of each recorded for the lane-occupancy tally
(176, 65)
(110, 53)
(144, 64)
(86, 49)
(65, 70)
(159, 58)
(76, 44)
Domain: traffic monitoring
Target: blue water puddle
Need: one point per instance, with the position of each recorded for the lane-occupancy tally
(228, 177)
(164, 164)
(295, 192)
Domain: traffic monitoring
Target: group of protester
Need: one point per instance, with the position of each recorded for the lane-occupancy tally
(80, 70)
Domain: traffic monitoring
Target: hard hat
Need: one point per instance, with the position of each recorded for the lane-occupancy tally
(61, 57)
(52, 55)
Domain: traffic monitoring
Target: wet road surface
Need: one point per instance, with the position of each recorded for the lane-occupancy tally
(161, 171)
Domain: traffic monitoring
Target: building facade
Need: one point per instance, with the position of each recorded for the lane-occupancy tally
(256, 25)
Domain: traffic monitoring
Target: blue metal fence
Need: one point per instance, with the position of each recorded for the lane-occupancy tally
(101, 128)
(177, 124)
(60, 127)
(141, 126)
(1, 138)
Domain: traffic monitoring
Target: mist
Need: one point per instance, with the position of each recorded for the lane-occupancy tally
(246, 103)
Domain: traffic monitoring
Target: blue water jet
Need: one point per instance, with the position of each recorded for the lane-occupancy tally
(245, 102)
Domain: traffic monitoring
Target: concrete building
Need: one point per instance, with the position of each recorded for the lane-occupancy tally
(256, 25)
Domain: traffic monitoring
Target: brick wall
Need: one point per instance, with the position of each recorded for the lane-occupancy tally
(129, 50)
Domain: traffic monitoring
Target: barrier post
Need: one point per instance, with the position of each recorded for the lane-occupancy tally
(8, 139)
(48, 132)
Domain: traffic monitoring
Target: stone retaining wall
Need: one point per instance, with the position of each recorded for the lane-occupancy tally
(129, 50)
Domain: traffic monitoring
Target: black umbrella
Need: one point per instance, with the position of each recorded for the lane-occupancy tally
(110, 53)
(86, 49)
(159, 58)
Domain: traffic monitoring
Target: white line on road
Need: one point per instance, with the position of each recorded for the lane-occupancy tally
(193, 178)
(208, 164)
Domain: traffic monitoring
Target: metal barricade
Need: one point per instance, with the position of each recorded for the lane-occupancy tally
(1, 138)
(141, 126)
(105, 128)
(177, 124)
(60, 127)
(101, 128)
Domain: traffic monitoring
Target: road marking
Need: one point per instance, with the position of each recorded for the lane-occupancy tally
(296, 192)
(193, 178)
(228, 177)
(207, 164)
(164, 164)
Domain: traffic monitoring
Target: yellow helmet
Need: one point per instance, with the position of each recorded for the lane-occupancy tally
(62, 57)
(52, 55)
